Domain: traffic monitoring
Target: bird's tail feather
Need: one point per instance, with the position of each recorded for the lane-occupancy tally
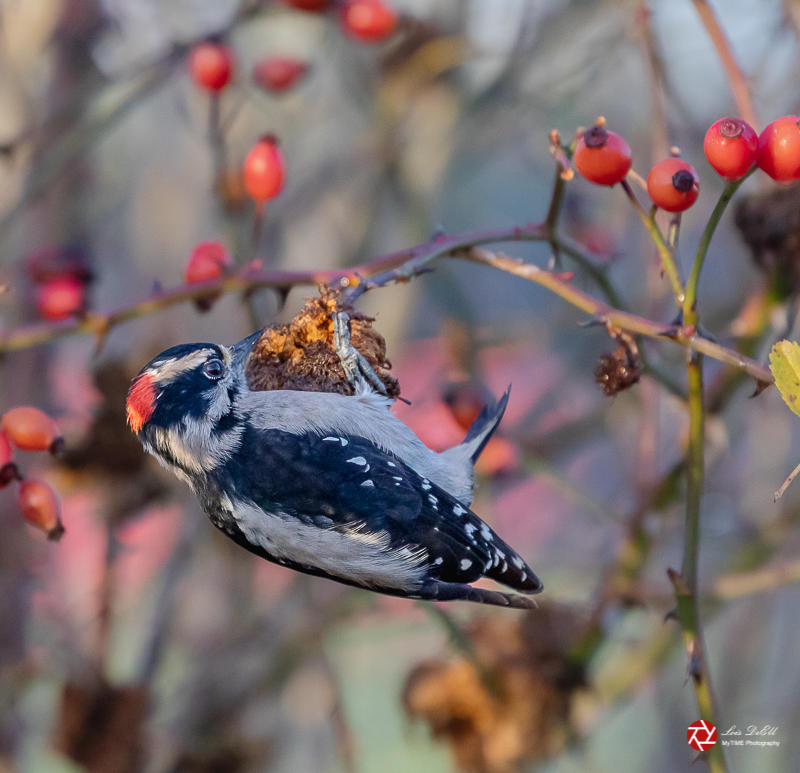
(482, 429)
(437, 590)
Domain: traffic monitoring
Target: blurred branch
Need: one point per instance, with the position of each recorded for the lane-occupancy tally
(396, 266)
(765, 578)
(741, 93)
(114, 105)
(135, 86)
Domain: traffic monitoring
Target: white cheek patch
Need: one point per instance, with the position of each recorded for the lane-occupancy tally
(195, 448)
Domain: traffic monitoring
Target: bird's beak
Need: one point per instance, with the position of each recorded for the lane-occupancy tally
(241, 349)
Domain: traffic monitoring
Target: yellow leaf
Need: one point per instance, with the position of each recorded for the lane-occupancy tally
(784, 362)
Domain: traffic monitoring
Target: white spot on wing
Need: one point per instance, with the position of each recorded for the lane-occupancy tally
(439, 561)
(331, 439)
(426, 484)
(368, 484)
(458, 510)
(357, 460)
(391, 464)
(517, 561)
(486, 532)
(465, 563)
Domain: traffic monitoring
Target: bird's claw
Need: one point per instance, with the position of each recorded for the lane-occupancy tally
(357, 370)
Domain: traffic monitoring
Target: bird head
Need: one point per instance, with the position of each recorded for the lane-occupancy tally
(181, 405)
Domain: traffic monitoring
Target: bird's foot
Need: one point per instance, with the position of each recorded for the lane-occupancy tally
(357, 370)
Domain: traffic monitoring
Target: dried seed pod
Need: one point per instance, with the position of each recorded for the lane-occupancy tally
(617, 371)
(40, 507)
(30, 429)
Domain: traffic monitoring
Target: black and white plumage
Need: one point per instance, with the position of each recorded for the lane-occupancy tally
(327, 484)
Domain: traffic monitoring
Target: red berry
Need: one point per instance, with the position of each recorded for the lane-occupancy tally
(673, 185)
(369, 21)
(264, 170)
(309, 5)
(730, 147)
(278, 73)
(209, 260)
(30, 429)
(61, 298)
(779, 149)
(211, 66)
(40, 507)
(602, 157)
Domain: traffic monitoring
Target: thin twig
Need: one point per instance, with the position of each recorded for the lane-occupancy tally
(560, 285)
(736, 77)
(690, 313)
(666, 255)
(398, 266)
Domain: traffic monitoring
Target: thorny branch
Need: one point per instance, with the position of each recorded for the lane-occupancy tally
(395, 267)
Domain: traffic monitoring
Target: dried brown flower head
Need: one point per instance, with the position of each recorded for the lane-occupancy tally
(617, 370)
(516, 707)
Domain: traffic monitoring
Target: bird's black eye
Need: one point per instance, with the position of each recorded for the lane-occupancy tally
(213, 369)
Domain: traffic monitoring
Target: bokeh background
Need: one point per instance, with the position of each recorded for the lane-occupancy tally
(146, 641)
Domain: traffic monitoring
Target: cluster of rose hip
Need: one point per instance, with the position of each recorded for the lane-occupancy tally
(213, 64)
(29, 429)
(731, 146)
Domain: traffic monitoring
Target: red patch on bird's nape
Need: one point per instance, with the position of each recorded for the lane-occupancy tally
(141, 401)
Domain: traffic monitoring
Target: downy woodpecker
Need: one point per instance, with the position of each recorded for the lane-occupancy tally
(324, 483)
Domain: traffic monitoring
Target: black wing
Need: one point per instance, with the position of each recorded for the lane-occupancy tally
(346, 482)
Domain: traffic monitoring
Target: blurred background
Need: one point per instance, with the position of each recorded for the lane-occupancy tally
(144, 640)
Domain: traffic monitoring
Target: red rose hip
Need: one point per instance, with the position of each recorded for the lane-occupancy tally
(279, 73)
(211, 66)
(30, 429)
(779, 149)
(731, 146)
(209, 260)
(40, 507)
(602, 157)
(61, 298)
(673, 185)
(313, 6)
(264, 170)
(369, 21)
